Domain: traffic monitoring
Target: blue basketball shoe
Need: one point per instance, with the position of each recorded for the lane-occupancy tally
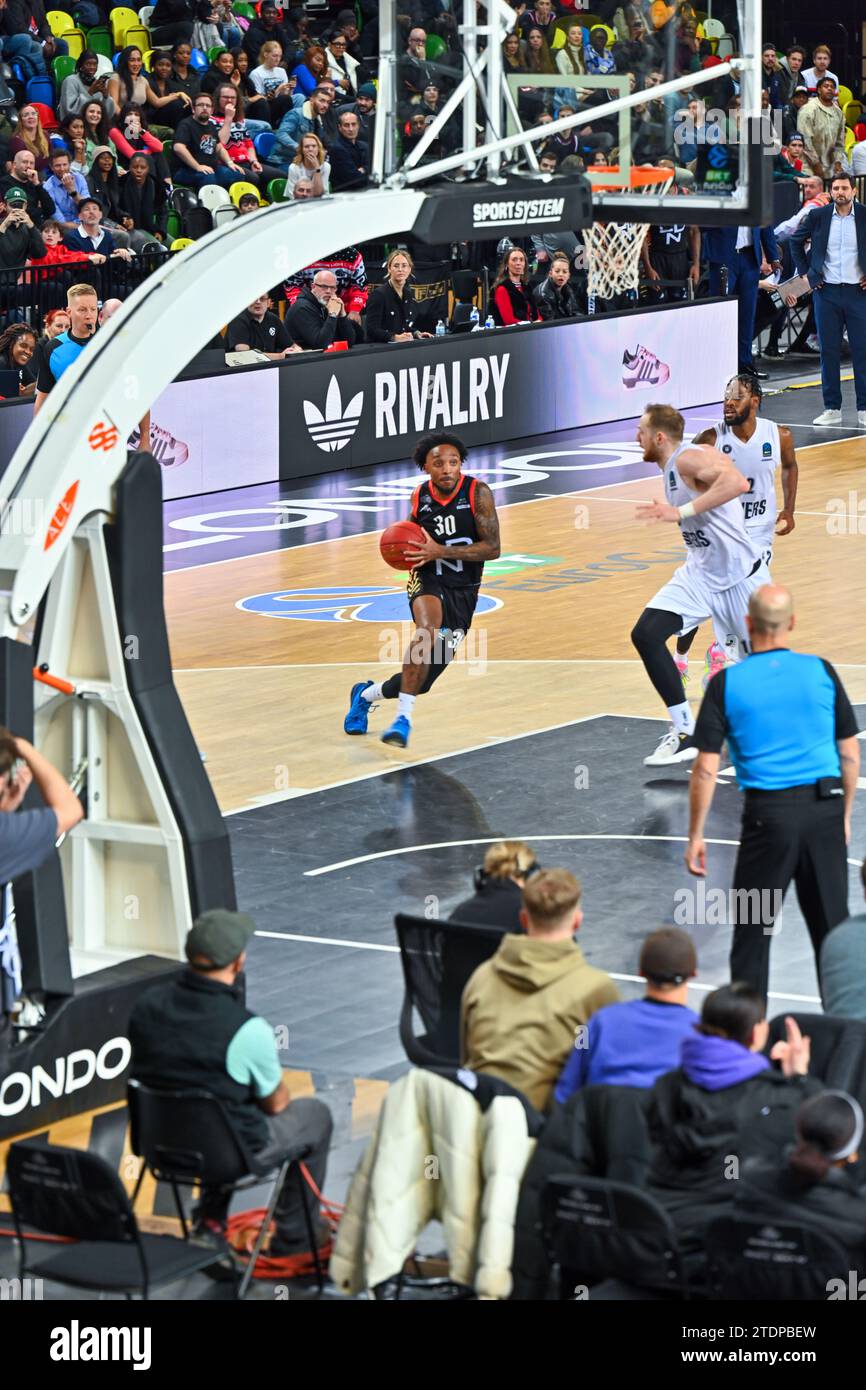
(359, 709)
(399, 732)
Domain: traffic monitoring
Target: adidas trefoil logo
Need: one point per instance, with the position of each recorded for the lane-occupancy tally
(334, 429)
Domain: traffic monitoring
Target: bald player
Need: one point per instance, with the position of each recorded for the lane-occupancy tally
(792, 737)
(722, 567)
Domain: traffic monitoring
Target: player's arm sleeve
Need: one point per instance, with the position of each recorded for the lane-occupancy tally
(846, 720)
(711, 726)
(252, 1059)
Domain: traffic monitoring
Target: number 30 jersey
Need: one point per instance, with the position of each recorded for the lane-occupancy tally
(451, 522)
(757, 459)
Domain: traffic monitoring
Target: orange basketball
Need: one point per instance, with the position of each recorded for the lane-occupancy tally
(394, 541)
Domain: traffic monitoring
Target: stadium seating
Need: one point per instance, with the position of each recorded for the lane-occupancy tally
(99, 39)
(237, 191)
(121, 20)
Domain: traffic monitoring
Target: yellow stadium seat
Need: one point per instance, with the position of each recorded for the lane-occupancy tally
(59, 22)
(180, 243)
(237, 191)
(843, 96)
(121, 19)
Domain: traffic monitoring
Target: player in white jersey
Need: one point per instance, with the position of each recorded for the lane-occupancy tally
(722, 568)
(757, 448)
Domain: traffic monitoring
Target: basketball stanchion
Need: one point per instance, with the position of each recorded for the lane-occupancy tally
(613, 248)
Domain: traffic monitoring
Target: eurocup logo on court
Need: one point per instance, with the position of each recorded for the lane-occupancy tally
(334, 429)
(359, 603)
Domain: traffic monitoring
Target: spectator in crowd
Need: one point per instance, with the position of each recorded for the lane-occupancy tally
(184, 74)
(634, 1043)
(597, 57)
(24, 175)
(814, 1184)
(724, 1101)
(74, 138)
(90, 235)
(260, 329)
(248, 202)
(791, 114)
(302, 189)
(843, 965)
(310, 163)
(143, 201)
(58, 354)
(637, 53)
(821, 58)
(414, 70)
(171, 21)
(554, 297)
(65, 188)
(858, 157)
(103, 181)
(97, 126)
(791, 72)
(205, 31)
(349, 156)
(364, 108)
(520, 1009)
(221, 70)
(272, 82)
(312, 69)
(822, 127)
(30, 136)
(27, 838)
(167, 103)
(499, 884)
(542, 16)
(342, 68)
(318, 316)
(56, 254)
(257, 106)
(309, 119)
(129, 85)
(196, 1031)
(771, 77)
(234, 136)
(56, 321)
(569, 58)
(546, 244)
(268, 27)
(512, 54)
(347, 267)
(19, 41)
(83, 85)
(131, 136)
(17, 346)
(511, 301)
(199, 156)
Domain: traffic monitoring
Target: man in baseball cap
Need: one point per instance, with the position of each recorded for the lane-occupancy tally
(196, 1032)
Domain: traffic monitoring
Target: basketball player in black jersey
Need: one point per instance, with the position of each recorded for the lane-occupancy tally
(459, 516)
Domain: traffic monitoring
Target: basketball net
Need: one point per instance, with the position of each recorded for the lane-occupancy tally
(613, 248)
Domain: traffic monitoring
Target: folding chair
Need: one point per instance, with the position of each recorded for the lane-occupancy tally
(264, 143)
(120, 19)
(198, 60)
(99, 39)
(187, 1139)
(62, 67)
(75, 1194)
(40, 89)
(595, 1229)
(59, 22)
(213, 196)
(276, 190)
(226, 213)
(140, 36)
(437, 959)
(758, 1259)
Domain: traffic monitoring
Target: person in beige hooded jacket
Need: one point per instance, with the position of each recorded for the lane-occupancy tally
(520, 1009)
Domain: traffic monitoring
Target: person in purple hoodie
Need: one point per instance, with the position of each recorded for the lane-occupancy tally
(724, 1103)
(633, 1043)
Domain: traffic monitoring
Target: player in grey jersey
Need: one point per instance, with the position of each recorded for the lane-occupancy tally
(758, 448)
(722, 567)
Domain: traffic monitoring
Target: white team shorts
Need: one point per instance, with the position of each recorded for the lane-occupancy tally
(685, 594)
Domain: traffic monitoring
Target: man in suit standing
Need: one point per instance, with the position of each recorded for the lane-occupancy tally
(836, 270)
(756, 253)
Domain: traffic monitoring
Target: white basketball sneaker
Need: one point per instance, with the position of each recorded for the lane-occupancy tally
(828, 417)
(674, 748)
(167, 450)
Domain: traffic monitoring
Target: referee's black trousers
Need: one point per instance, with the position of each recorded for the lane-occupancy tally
(790, 834)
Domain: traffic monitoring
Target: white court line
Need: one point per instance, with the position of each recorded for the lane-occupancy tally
(392, 950)
(488, 661)
(495, 840)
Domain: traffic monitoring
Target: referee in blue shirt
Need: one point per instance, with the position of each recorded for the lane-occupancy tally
(792, 738)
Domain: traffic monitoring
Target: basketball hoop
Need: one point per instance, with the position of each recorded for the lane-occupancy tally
(613, 248)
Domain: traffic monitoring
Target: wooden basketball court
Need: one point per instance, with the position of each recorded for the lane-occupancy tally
(266, 697)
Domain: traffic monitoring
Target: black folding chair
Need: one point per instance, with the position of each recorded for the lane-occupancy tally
(767, 1259)
(596, 1229)
(75, 1194)
(187, 1139)
(437, 958)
